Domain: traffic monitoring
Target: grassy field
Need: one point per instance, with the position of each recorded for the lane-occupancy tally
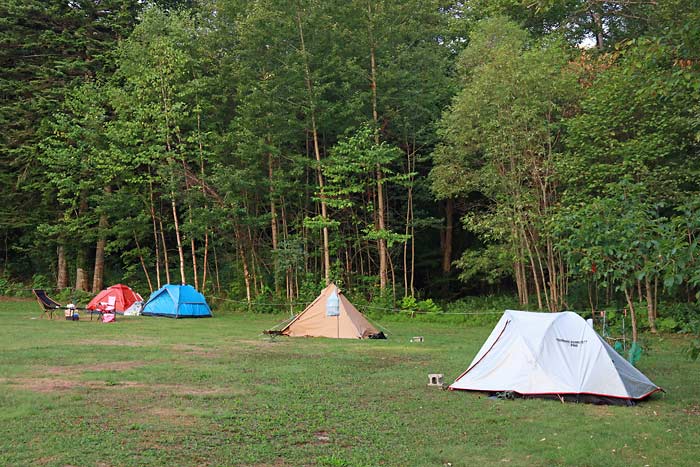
(156, 391)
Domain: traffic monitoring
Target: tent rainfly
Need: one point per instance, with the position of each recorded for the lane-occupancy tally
(553, 355)
(330, 315)
(124, 297)
(177, 301)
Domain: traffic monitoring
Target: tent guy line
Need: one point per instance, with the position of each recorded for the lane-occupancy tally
(370, 307)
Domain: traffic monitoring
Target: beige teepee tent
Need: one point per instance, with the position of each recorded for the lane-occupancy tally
(330, 315)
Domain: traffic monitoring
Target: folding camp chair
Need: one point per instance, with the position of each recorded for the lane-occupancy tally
(48, 305)
(106, 308)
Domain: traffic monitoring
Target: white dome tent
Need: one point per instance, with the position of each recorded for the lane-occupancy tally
(553, 355)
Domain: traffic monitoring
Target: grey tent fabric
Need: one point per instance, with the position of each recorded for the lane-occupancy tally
(551, 354)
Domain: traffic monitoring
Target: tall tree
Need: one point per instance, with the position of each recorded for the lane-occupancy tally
(501, 136)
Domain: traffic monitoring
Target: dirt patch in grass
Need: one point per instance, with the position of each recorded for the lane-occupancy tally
(45, 460)
(182, 389)
(104, 366)
(693, 410)
(263, 342)
(196, 350)
(172, 416)
(49, 385)
(322, 437)
(601, 410)
(278, 463)
(98, 343)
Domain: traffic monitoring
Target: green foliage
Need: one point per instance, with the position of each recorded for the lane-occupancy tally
(10, 288)
(40, 281)
(120, 117)
(693, 349)
(615, 240)
(489, 265)
(77, 297)
(411, 304)
(667, 325)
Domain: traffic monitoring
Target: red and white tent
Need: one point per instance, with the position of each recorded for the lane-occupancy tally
(552, 354)
(121, 296)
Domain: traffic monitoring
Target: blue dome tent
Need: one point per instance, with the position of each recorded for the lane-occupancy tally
(177, 301)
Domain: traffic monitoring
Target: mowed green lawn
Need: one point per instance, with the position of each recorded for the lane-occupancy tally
(157, 391)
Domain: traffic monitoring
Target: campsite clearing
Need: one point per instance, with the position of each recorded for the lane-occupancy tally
(153, 391)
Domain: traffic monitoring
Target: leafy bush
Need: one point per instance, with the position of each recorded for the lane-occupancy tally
(694, 346)
(7, 287)
(424, 306)
(667, 325)
(684, 314)
(78, 297)
(40, 281)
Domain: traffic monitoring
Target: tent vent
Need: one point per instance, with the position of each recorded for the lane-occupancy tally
(435, 379)
(333, 305)
(417, 339)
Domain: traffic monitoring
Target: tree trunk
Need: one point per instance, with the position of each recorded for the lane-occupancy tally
(99, 271)
(656, 296)
(598, 29)
(253, 262)
(535, 275)
(244, 263)
(155, 231)
(317, 152)
(273, 223)
(381, 208)
(650, 304)
(554, 295)
(411, 159)
(205, 265)
(195, 274)
(81, 278)
(628, 296)
(640, 298)
(407, 231)
(166, 262)
(62, 268)
(216, 266)
(143, 265)
(205, 261)
(180, 249)
(81, 275)
(449, 228)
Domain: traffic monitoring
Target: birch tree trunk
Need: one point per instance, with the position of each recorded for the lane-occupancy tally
(381, 209)
(155, 232)
(165, 253)
(205, 261)
(143, 265)
(633, 315)
(193, 248)
(317, 152)
(244, 263)
(273, 223)
(180, 250)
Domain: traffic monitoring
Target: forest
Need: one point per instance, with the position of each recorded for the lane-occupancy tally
(407, 150)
